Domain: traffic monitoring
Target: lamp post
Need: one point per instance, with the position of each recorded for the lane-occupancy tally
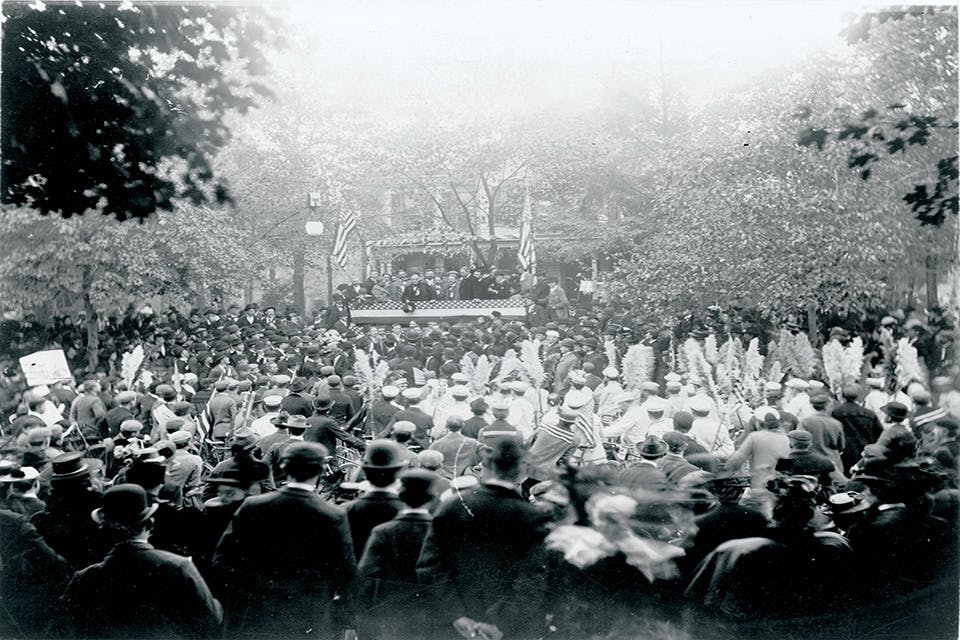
(316, 228)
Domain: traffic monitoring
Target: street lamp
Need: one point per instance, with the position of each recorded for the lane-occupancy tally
(315, 228)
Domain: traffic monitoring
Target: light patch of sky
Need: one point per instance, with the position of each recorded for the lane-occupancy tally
(501, 56)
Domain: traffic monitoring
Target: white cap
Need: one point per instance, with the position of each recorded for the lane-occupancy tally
(655, 404)
(552, 333)
(700, 403)
(577, 376)
(672, 377)
(412, 393)
(611, 372)
(459, 377)
(772, 386)
(272, 401)
(815, 384)
(798, 384)
(673, 385)
(390, 391)
(577, 398)
(460, 392)
(650, 386)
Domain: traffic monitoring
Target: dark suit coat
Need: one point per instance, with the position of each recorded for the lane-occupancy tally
(297, 404)
(475, 554)
(142, 592)
(381, 414)
(32, 577)
(422, 421)
(806, 463)
(285, 555)
(114, 417)
(860, 428)
(418, 292)
(388, 566)
(368, 511)
(342, 409)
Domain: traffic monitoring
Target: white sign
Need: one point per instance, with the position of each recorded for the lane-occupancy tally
(45, 367)
(313, 199)
(314, 228)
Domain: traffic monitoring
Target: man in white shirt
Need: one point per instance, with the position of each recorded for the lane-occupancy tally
(709, 432)
(263, 426)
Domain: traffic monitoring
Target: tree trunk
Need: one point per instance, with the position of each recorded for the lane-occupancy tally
(813, 329)
(932, 297)
(93, 333)
(299, 270)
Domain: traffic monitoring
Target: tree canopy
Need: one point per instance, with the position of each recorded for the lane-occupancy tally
(119, 108)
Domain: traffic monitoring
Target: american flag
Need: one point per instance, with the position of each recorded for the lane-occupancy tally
(347, 223)
(527, 253)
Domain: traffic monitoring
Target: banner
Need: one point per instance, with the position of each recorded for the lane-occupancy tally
(45, 367)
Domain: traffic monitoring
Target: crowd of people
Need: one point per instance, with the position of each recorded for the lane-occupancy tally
(255, 475)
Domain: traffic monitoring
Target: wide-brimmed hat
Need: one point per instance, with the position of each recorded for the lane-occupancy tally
(298, 385)
(12, 472)
(652, 447)
(846, 502)
(243, 438)
(68, 466)
(126, 505)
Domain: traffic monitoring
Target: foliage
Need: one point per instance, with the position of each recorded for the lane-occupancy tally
(131, 100)
(916, 48)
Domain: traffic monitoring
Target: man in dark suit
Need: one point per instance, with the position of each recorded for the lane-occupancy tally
(388, 566)
(298, 402)
(382, 462)
(803, 461)
(287, 556)
(382, 411)
(860, 426)
(138, 591)
(417, 291)
(342, 410)
(476, 556)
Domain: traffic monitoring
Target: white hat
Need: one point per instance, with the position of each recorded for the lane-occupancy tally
(552, 333)
(763, 412)
(876, 383)
(459, 484)
(577, 398)
(390, 391)
(798, 384)
(815, 385)
(519, 386)
(700, 404)
(281, 379)
(460, 392)
(577, 376)
(656, 404)
(650, 386)
(459, 377)
(673, 385)
(772, 386)
(272, 401)
(611, 372)
(412, 393)
(672, 377)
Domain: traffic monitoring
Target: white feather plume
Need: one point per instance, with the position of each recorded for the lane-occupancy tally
(637, 366)
(508, 364)
(692, 352)
(130, 364)
(481, 376)
(530, 357)
(710, 351)
(364, 372)
(908, 364)
(610, 350)
(751, 368)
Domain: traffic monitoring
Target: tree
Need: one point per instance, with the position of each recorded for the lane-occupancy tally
(119, 108)
(104, 265)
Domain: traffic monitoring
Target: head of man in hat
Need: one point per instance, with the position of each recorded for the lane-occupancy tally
(127, 513)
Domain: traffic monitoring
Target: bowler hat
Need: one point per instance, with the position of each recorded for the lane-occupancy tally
(125, 505)
(305, 453)
(383, 454)
(243, 438)
(298, 385)
(418, 481)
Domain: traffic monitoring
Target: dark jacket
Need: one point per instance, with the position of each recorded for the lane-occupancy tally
(285, 555)
(141, 592)
(32, 577)
(380, 415)
(368, 511)
(297, 404)
(860, 428)
(388, 566)
(474, 556)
